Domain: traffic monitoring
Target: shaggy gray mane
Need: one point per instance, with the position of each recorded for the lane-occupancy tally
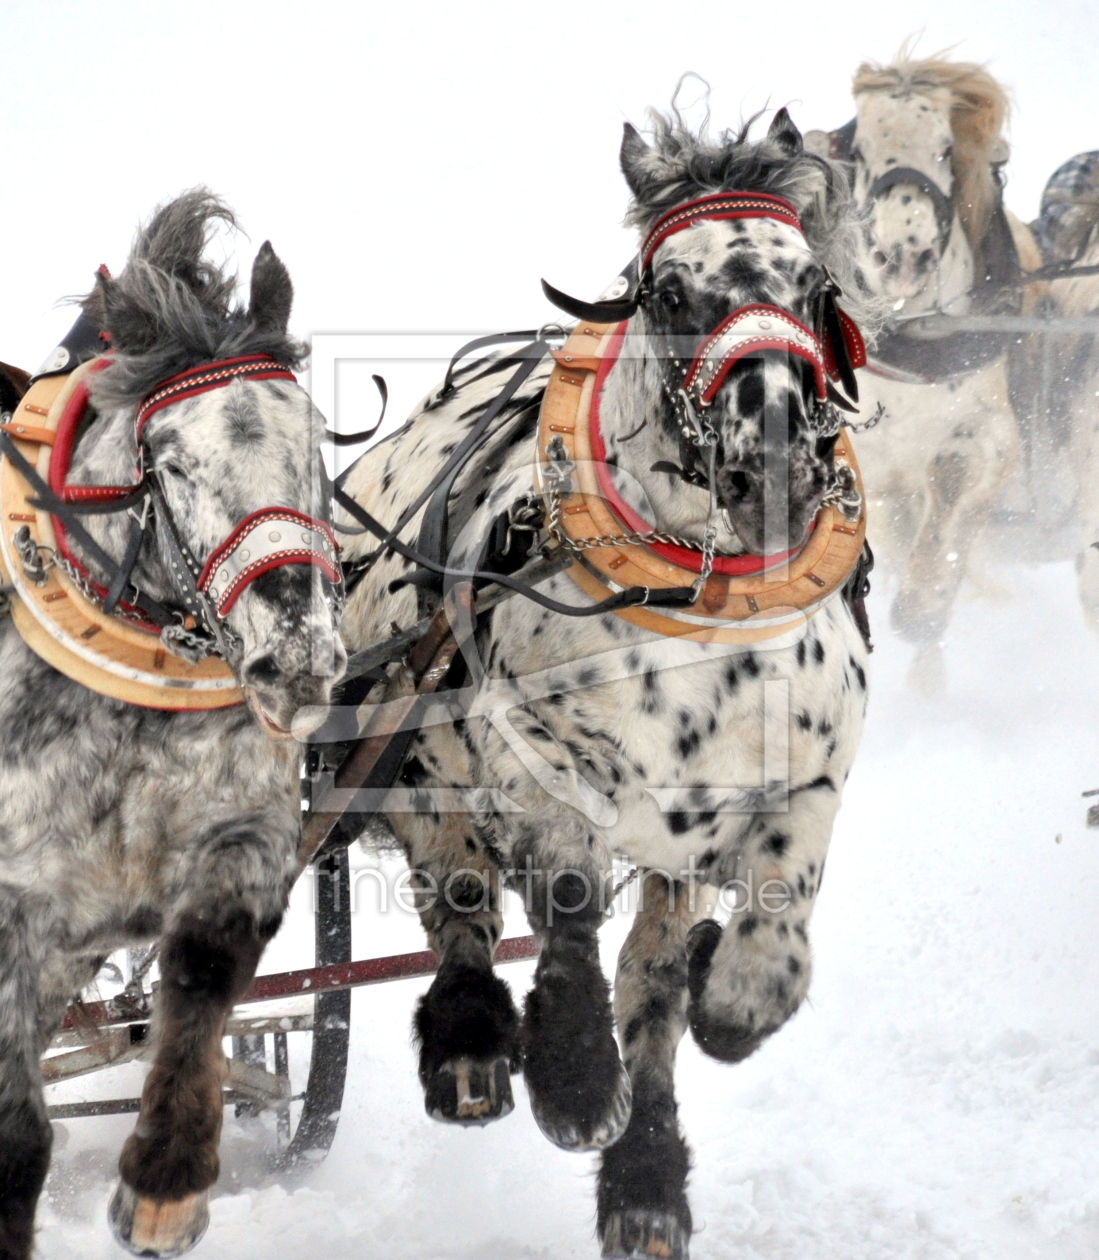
(172, 308)
(682, 164)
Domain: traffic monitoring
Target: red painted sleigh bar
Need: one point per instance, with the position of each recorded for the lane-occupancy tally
(124, 1010)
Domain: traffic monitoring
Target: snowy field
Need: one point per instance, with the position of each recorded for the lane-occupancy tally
(936, 1099)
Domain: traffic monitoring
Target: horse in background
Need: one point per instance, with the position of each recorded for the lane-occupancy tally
(925, 153)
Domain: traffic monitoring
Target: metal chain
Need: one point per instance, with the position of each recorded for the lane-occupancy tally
(876, 419)
(38, 559)
(844, 493)
(559, 483)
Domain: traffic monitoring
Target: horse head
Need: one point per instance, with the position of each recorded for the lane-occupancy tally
(926, 147)
(198, 393)
(723, 380)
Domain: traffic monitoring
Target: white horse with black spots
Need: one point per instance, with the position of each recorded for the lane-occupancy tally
(926, 149)
(607, 738)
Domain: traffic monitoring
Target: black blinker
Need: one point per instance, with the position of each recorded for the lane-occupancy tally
(833, 331)
(598, 312)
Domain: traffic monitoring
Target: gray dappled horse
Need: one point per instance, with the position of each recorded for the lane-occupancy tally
(121, 824)
(587, 716)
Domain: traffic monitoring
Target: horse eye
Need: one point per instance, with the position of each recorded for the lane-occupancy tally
(171, 468)
(668, 299)
(946, 153)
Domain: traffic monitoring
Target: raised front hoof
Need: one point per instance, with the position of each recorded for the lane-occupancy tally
(146, 1227)
(470, 1091)
(577, 1119)
(633, 1233)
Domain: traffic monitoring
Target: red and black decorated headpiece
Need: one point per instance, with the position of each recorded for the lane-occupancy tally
(836, 353)
(264, 540)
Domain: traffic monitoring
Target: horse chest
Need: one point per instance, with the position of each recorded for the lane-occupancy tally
(684, 743)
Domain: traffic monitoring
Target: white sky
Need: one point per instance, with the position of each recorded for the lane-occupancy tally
(420, 166)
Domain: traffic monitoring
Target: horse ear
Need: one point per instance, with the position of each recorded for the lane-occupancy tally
(637, 160)
(271, 294)
(783, 133)
(130, 325)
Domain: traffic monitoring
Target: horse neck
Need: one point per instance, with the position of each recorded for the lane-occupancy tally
(637, 425)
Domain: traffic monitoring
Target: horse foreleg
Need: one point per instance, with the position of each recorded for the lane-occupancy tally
(25, 1133)
(208, 958)
(748, 979)
(643, 1209)
(964, 478)
(466, 1024)
(579, 1088)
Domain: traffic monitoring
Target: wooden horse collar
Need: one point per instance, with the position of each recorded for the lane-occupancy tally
(56, 620)
(735, 606)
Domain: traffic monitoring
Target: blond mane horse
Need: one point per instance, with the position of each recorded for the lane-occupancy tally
(926, 148)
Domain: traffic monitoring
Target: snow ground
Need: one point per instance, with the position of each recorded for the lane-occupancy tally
(937, 1098)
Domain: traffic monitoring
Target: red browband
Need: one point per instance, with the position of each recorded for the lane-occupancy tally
(727, 205)
(198, 380)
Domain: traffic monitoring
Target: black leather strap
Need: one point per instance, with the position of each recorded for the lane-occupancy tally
(631, 597)
(364, 435)
(943, 203)
(529, 356)
(49, 502)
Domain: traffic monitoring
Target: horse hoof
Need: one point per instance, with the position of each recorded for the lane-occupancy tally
(148, 1228)
(639, 1232)
(470, 1091)
(596, 1129)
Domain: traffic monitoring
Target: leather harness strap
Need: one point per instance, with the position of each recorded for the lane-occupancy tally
(53, 615)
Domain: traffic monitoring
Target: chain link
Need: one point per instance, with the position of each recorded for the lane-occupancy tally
(38, 559)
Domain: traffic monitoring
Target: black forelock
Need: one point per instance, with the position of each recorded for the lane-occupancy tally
(172, 308)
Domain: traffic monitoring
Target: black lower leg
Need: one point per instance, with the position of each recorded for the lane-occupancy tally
(580, 1093)
(642, 1196)
(25, 1140)
(466, 1024)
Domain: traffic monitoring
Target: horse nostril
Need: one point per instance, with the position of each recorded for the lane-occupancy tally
(925, 259)
(739, 483)
(879, 258)
(262, 672)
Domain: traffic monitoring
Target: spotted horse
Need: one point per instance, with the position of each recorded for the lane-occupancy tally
(173, 587)
(925, 153)
(684, 451)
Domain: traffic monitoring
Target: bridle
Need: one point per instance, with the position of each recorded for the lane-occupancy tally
(833, 350)
(944, 203)
(265, 540)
